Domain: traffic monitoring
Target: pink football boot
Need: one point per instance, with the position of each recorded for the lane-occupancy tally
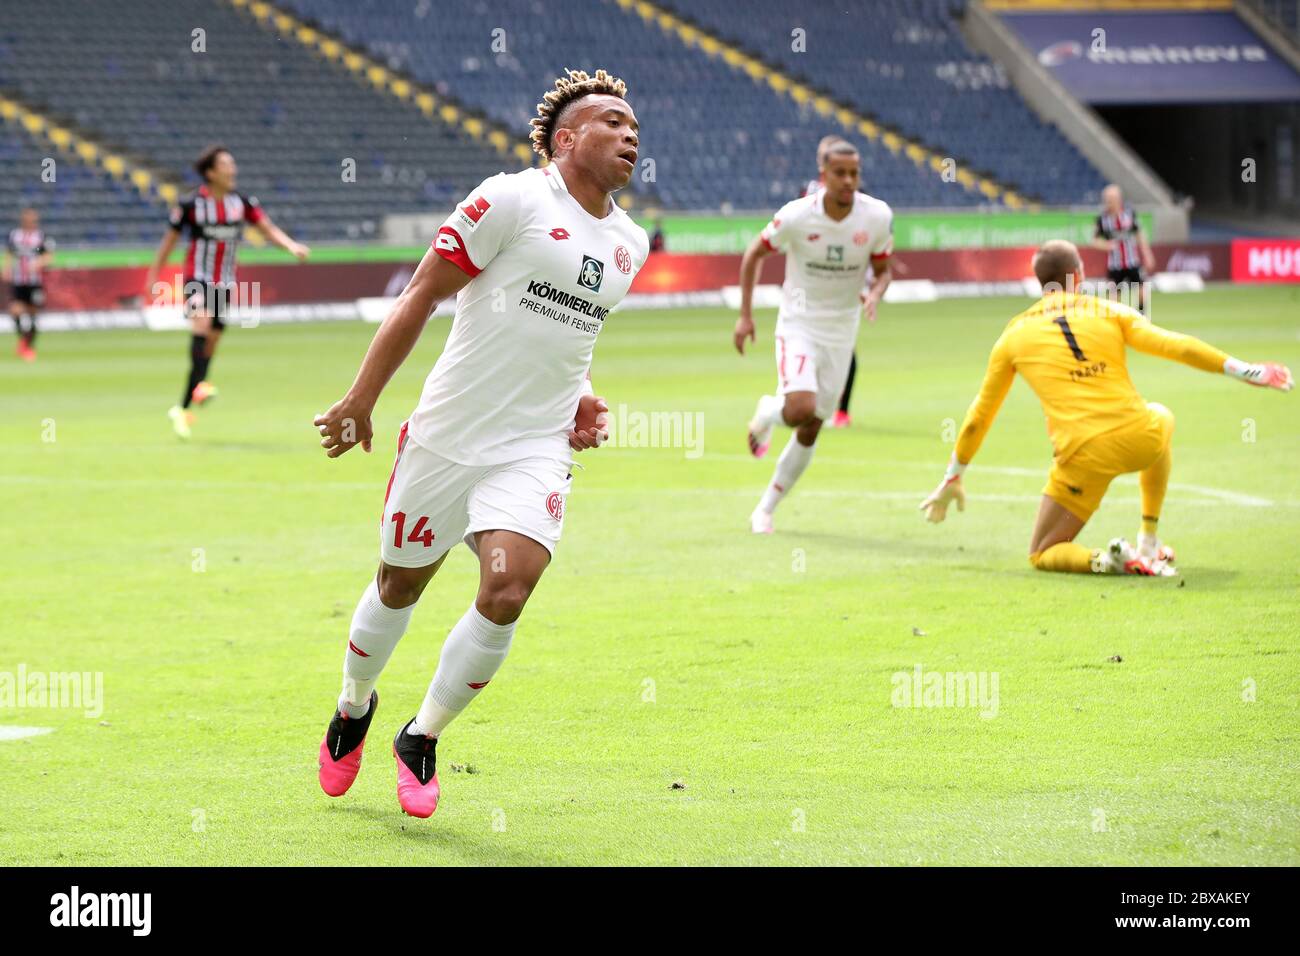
(340, 751)
(417, 777)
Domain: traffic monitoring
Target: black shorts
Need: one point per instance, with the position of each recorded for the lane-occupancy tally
(33, 295)
(208, 299)
(1131, 276)
(1126, 288)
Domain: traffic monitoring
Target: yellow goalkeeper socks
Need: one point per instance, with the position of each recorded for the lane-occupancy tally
(1154, 482)
(1066, 556)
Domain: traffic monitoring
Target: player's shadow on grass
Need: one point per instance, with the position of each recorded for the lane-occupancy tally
(1197, 579)
(428, 833)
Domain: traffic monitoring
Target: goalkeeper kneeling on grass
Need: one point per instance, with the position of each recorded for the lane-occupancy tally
(1071, 350)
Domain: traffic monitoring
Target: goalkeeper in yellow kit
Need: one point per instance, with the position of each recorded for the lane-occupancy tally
(1071, 350)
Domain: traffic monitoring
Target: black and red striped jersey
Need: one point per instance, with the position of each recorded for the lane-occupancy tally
(1123, 226)
(26, 246)
(214, 227)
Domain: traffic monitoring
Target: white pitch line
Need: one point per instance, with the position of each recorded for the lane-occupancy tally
(18, 733)
(1215, 495)
(1208, 495)
(866, 495)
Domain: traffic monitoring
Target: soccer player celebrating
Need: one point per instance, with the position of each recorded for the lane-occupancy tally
(213, 217)
(27, 256)
(1120, 236)
(1071, 350)
(830, 238)
(539, 259)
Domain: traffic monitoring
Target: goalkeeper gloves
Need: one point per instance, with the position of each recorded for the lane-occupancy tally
(1263, 374)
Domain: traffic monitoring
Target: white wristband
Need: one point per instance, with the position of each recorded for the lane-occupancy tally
(587, 388)
(955, 469)
(1242, 370)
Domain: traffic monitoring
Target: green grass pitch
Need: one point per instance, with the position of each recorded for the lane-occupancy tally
(680, 691)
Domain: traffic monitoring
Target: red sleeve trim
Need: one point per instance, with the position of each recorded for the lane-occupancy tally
(877, 256)
(770, 247)
(451, 247)
(253, 212)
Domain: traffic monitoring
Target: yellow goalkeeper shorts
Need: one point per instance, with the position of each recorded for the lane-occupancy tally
(1078, 484)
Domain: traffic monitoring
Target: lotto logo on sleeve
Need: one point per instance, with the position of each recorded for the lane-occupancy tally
(472, 212)
(555, 505)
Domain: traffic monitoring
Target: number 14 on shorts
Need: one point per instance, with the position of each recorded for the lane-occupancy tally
(420, 533)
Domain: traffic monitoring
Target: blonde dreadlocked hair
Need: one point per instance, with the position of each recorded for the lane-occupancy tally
(567, 89)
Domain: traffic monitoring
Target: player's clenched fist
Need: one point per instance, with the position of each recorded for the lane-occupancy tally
(936, 506)
(590, 424)
(343, 426)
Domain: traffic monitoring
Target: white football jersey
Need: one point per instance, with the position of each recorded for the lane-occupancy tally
(826, 263)
(545, 275)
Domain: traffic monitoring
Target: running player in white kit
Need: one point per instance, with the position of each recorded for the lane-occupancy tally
(831, 239)
(539, 259)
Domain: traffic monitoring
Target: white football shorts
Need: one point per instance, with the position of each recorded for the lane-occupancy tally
(433, 503)
(803, 365)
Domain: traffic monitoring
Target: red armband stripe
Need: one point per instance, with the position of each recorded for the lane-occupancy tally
(451, 247)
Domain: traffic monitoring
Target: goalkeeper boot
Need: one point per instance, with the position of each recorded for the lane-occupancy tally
(1120, 557)
(1159, 557)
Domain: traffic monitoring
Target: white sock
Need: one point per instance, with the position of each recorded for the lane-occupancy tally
(789, 467)
(1147, 544)
(473, 652)
(376, 629)
(770, 408)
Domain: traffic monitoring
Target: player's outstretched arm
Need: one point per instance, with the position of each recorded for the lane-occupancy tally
(1153, 340)
(748, 276)
(278, 236)
(979, 418)
(347, 423)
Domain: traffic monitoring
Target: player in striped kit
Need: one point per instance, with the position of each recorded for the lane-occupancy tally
(27, 256)
(1119, 235)
(213, 217)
